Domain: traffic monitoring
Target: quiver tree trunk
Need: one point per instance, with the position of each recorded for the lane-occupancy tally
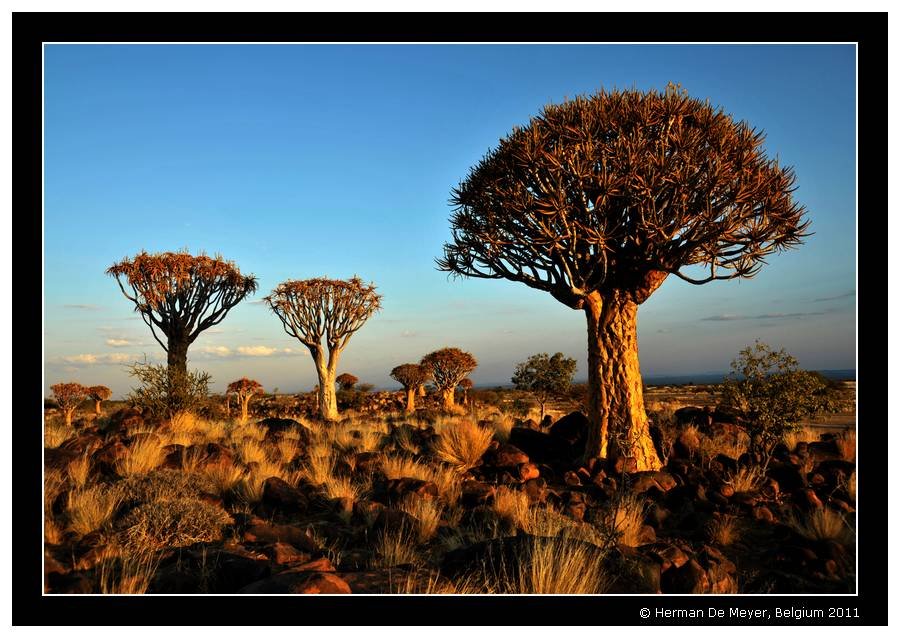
(618, 421)
(448, 398)
(421, 390)
(327, 397)
(68, 416)
(97, 407)
(245, 403)
(177, 357)
(411, 400)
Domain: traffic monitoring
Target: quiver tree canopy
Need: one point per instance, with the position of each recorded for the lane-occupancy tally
(244, 389)
(346, 381)
(181, 295)
(98, 393)
(323, 314)
(448, 367)
(598, 199)
(411, 376)
(68, 396)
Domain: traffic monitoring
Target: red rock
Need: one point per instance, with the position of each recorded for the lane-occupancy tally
(281, 496)
(670, 556)
(528, 471)
(571, 428)
(807, 498)
(286, 554)
(294, 582)
(322, 564)
(510, 456)
(571, 478)
(398, 488)
(477, 493)
(536, 489)
(691, 578)
(266, 533)
(763, 513)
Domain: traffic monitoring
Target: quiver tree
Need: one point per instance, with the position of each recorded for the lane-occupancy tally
(323, 314)
(68, 396)
(181, 295)
(346, 381)
(466, 385)
(597, 200)
(545, 376)
(243, 390)
(98, 394)
(411, 376)
(448, 367)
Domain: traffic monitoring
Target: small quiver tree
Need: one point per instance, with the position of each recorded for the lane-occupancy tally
(545, 376)
(243, 390)
(599, 199)
(448, 367)
(68, 397)
(323, 314)
(98, 394)
(411, 376)
(346, 381)
(466, 385)
(181, 295)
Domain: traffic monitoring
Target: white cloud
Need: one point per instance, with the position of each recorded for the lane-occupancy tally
(257, 351)
(218, 351)
(99, 359)
(118, 343)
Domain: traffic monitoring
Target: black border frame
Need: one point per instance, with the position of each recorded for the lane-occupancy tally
(30, 30)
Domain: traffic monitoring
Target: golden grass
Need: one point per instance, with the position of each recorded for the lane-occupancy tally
(225, 477)
(320, 466)
(851, 486)
(846, 444)
(801, 435)
(122, 572)
(625, 518)
(79, 470)
(402, 439)
(724, 530)
(746, 479)
(730, 446)
(512, 506)
(396, 546)
(288, 449)
(463, 445)
(54, 482)
(91, 508)
(432, 583)
(560, 566)
(160, 525)
(53, 533)
(821, 524)
(56, 432)
(395, 467)
(427, 514)
(248, 431)
(340, 487)
(250, 451)
(144, 456)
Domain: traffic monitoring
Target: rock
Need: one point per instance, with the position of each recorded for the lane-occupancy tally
(393, 519)
(528, 471)
(644, 481)
(541, 447)
(763, 513)
(277, 428)
(646, 536)
(806, 498)
(304, 582)
(692, 415)
(367, 462)
(690, 578)
(789, 478)
(687, 445)
(624, 464)
(477, 493)
(124, 419)
(571, 428)
(536, 489)
(282, 497)
(322, 564)
(59, 458)
(269, 533)
(510, 456)
(83, 444)
(571, 478)
(399, 488)
(367, 511)
(286, 554)
(744, 498)
(669, 556)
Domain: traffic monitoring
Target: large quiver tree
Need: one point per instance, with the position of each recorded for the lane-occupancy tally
(411, 376)
(181, 295)
(323, 314)
(597, 200)
(448, 367)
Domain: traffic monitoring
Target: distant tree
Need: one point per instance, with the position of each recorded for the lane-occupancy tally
(411, 376)
(323, 314)
(181, 295)
(426, 377)
(466, 385)
(244, 389)
(771, 395)
(346, 381)
(597, 200)
(448, 367)
(68, 397)
(98, 393)
(545, 376)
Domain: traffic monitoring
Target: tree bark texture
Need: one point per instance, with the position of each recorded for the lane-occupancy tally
(69, 414)
(97, 407)
(177, 356)
(326, 372)
(448, 398)
(422, 390)
(244, 405)
(618, 421)
(410, 400)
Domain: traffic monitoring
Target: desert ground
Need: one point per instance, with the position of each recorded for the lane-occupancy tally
(488, 499)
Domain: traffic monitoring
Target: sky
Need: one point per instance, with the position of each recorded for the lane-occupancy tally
(300, 161)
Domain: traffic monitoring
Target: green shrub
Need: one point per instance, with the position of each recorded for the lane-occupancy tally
(165, 392)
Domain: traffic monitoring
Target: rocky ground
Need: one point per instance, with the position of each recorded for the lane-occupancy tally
(478, 502)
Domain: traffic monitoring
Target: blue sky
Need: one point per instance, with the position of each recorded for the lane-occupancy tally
(311, 160)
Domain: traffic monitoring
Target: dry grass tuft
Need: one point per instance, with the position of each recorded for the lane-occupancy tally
(512, 506)
(724, 530)
(851, 486)
(800, 435)
(340, 487)
(427, 514)
(822, 524)
(462, 446)
(122, 572)
(746, 479)
(90, 509)
(79, 470)
(224, 477)
(625, 518)
(173, 523)
(847, 445)
(251, 451)
(53, 533)
(395, 467)
(288, 449)
(144, 456)
(396, 546)
(56, 432)
(560, 566)
(54, 482)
